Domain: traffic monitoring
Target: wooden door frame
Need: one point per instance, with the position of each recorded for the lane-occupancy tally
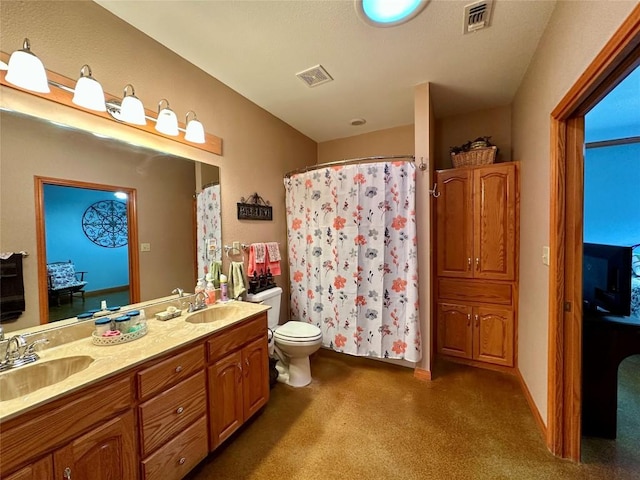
(41, 244)
(619, 57)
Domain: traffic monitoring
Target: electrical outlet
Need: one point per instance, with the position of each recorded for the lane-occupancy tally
(236, 246)
(145, 247)
(545, 255)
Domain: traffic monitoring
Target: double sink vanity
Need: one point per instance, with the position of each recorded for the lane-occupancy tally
(152, 408)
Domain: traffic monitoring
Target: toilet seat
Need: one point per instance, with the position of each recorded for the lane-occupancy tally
(296, 331)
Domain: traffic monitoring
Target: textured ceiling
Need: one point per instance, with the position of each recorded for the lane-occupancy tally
(257, 47)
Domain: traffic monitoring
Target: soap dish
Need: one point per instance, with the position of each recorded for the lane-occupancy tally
(168, 315)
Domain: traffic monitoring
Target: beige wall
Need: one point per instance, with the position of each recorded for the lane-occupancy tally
(164, 184)
(392, 141)
(459, 129)
(65, 35)
(576, 33)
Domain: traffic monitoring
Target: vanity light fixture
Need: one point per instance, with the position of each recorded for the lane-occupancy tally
(131, 109)
(26, 70)
(195, 129)
(388, 13)
(167, 121)
(88, 92)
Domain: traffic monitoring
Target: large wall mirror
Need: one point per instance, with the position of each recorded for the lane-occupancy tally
(157, 224)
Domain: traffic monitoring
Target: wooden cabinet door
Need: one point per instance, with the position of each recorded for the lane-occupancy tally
(255, 366)
(455, 332)
(106, 453)
(454, 223)
(493, 335)
(494, 222)
(40, 470)
(225, 397)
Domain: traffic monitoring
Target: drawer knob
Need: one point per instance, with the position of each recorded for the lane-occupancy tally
(178, 368)
(180, 410)
(182, 460)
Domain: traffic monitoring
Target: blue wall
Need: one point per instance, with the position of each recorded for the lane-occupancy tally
(618, 114)
(612, 195)
(612, 174)
(64, 207)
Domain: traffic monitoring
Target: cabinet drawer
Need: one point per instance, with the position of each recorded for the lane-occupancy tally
(476, 291)
(169, 372)
(167, 414)
(234, 338)
(180, 455)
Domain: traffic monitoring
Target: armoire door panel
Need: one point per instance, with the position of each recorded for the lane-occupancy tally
(455, 224)
(455, 333)
(493, 335)
(494, 222)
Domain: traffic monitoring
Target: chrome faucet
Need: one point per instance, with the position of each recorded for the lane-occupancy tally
(1, 333)
(19, 352)
(199, 302)
(15, 348)
(179, 291)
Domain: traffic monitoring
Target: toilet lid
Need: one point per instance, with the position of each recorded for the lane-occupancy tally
(296, 330)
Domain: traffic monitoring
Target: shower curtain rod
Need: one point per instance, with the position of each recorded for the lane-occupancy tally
(378, 158)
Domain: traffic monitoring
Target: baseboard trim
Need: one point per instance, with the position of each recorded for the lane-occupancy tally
(422, 374)
(532, 405)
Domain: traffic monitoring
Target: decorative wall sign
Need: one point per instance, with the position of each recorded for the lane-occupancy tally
(105, 223)
(254, 208)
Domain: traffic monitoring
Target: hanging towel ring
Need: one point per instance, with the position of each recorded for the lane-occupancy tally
(434, 191)
(229, 250)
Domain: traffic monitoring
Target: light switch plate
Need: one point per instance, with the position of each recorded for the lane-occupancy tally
(145, 247)
(545, 255)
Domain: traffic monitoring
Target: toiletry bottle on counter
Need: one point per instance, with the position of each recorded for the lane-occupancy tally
(210, 291)
(224, 295)
(199, 286)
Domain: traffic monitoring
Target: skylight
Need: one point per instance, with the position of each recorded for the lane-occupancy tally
(387, 13)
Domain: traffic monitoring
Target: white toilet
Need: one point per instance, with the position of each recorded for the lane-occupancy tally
(293, 342)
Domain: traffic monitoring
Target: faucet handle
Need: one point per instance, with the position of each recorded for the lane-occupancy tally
(31, 348)
(179, 291)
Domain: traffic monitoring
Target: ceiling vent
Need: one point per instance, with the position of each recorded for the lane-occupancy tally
(477, 16)
(314, 76)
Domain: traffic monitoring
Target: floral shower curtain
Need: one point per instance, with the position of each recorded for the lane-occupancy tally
(209, 228)
(353, 259)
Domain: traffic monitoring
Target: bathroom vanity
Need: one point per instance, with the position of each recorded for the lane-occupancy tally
(149, 409)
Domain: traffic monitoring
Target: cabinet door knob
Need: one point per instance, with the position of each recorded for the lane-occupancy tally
(182, 460)
(468, 263)
(477, 320)
(477, 263)
(178, 368)
(67, 474)
(468, 319)
(180, 410)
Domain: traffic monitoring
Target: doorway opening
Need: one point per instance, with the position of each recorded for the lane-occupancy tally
(615, 62)
(86, 246)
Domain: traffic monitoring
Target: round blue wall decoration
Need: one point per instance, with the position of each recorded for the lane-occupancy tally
(105, 223)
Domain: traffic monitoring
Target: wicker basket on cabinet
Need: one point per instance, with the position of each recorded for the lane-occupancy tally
(476, 156)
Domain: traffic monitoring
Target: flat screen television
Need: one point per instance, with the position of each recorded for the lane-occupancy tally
(606, 279)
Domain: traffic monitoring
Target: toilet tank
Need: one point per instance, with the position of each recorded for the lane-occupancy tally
(272, 298)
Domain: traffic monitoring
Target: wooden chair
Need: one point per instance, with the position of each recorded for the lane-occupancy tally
(63, 279)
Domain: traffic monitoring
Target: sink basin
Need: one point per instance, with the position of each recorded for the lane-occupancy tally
(24, 380)
(215, 314)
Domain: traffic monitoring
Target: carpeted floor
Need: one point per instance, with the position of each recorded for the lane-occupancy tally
(364, 419)
(70, 308)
